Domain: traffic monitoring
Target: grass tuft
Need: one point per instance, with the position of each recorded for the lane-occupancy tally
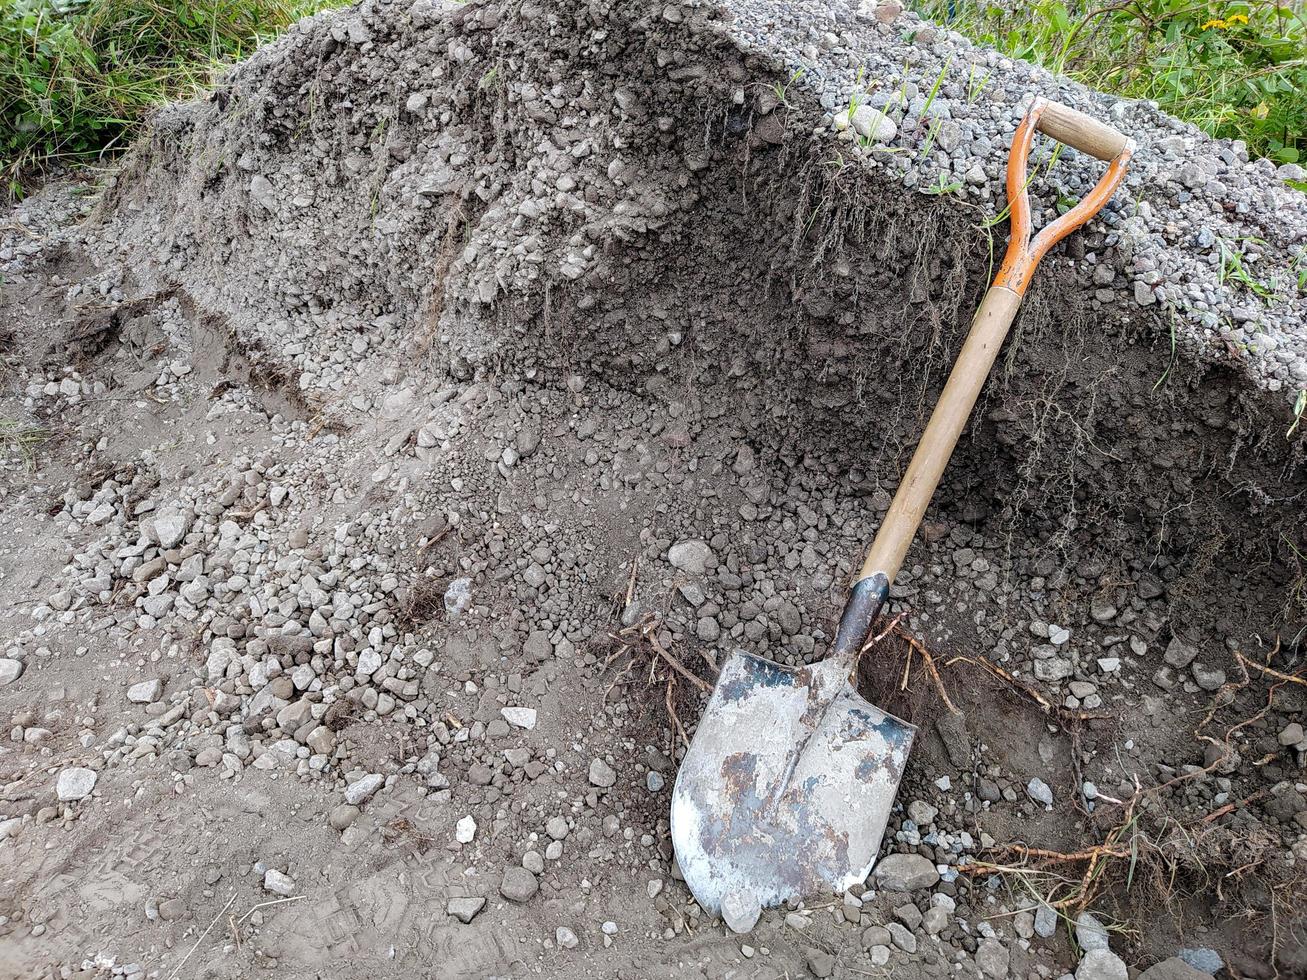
(1238, 70)
(78, 76)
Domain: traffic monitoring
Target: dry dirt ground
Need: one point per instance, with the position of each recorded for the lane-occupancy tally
(355, 607)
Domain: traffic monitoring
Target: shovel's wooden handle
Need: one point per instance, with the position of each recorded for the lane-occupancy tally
(1082, 132)
(995, 316)
(977, 356)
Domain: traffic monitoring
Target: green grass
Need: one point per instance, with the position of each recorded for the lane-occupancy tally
(1236, 70)
(78, 76)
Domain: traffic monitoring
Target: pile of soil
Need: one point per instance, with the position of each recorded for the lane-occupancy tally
(392, 439)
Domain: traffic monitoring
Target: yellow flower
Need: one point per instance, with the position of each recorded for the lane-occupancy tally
(1220, 25)
(1236, 19)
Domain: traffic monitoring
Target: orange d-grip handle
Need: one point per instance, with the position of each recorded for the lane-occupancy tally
(1077, 130)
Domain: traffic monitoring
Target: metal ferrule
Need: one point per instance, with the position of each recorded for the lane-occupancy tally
(864, 605)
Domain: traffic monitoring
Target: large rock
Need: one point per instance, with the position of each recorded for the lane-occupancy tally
(362, 790)
(145, 692)
(75, 784)
(1101, 964)
(10, 670)
(601, 774)
(465, 909)
(692, 557)
(169, 527)
(905, 872)
(518, 884)
(1173, 969)
(740, 910)
(993, 959)
(1090, 933)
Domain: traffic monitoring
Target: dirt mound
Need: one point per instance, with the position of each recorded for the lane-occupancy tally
(383, 382)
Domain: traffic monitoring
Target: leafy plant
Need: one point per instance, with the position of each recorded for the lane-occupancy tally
(1236, 70)
(78, 76)
(942, 186)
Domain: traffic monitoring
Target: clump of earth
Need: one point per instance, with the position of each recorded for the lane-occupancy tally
(396, 441)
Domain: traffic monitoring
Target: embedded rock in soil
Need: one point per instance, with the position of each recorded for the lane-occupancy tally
(905, 872)
(465, 909)
(1173, 969)
(1101, 964)
(10, 670)
(518, 884)
(740, 910)
(75, 784)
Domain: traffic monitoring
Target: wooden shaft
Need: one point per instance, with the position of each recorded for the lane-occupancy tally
(1085, 133)
(974, 361)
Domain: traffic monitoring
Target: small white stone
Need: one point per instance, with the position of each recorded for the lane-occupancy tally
(465, 830)
(75, 784)
(520, 717)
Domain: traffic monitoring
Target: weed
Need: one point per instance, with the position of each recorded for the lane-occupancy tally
(782, 90)
(78, 76)
(1241, 75)
(975, 86)
(1170, 363)
(942, 185)
(1233, 269)
(1299, 410)
(934, 89)
(22, 439)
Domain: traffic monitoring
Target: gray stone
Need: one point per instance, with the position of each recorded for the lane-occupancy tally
(364, 789)
(876, 936)
(1101, 964)
(1090, 933)
(75, 784)
(905, 872)
(934, 921)
(520, 717)
(601, 774)
(692, 557)
(1045, 921)
(565, 938)
(465, 909)
(902, 937)
(821, 963)
(278, 883)
(556, 828)
(740, 911)
(1173, 969)
(1208, 678)
(10, 670)
(342, 815)
(922, 813)
(1202, 958)
(145, 692)
(1039, 791)
(873, 124)
(993, 959)
(518, 884)
(1179, 654)
(168, 528)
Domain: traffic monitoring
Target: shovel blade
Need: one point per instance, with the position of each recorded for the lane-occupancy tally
(778, 797)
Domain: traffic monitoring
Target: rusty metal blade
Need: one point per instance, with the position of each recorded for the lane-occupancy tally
(785, 792)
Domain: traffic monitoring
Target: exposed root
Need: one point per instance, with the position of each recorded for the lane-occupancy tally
(1065, 713)
(663, 666)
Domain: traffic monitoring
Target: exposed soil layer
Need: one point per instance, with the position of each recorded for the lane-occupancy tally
(589, 314)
